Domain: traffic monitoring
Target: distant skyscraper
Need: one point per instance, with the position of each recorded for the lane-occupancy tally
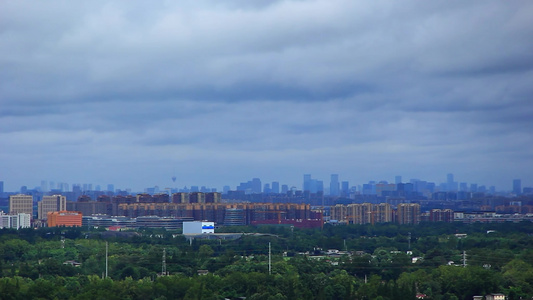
(1, 187)
(449, 178)
(345, 189)
(450, 184)
(307, 182)
(64, 187)
(256, 186)
(320, 186)
(492, 189)
(313, 186)
(334, 186)
(517, 186)
(275, 187)
(284, 189)
(44, 186)
(369, 189)
(111, 188)
(266, 188)
(398, 179)
(226, 189)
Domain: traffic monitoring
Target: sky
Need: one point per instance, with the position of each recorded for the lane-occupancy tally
(218, 92)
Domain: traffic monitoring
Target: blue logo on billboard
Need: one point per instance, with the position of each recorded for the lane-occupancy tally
(208, 227)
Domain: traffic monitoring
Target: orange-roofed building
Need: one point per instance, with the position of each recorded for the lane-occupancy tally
(64, 218)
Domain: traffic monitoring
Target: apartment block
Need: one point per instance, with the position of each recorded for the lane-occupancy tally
(408, 213)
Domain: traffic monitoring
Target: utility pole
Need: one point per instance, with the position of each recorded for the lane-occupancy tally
(269, 260)
(164, 263)
(106, 261)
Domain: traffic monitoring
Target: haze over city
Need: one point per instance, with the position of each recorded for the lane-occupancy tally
(217, 93)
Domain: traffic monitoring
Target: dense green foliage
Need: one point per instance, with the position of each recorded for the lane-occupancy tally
(499, 260)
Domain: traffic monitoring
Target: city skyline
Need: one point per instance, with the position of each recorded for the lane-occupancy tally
(134, 93)
(447, 183)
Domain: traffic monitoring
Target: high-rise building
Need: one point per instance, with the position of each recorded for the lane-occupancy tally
(441, 215)
(226, 189)
(267, 189)
(49, 204)
(383, 187)
(319, 186)
(449, 178)
(213, 197)
(362, 213)
(382, 213)
(21, 204)
(345, 189)
(517, 187)
(398, 179)
(369, 188)
(111, 188)
(307, 182)
(284, 188)
(275, 187)
(256, 185)
(334, 186)
(44, 186)
(196, 197)
(451, 185)
(408, 213)
(63, 187)
(180, 197)
(1, 187)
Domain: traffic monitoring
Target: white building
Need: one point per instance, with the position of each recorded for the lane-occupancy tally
(17, 221)
(198, 227)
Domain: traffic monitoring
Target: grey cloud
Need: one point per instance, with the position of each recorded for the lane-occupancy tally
(321, 86)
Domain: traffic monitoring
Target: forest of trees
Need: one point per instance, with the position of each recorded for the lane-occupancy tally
(41, 263)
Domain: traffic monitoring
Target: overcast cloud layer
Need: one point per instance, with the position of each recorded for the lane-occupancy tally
(218, 92)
